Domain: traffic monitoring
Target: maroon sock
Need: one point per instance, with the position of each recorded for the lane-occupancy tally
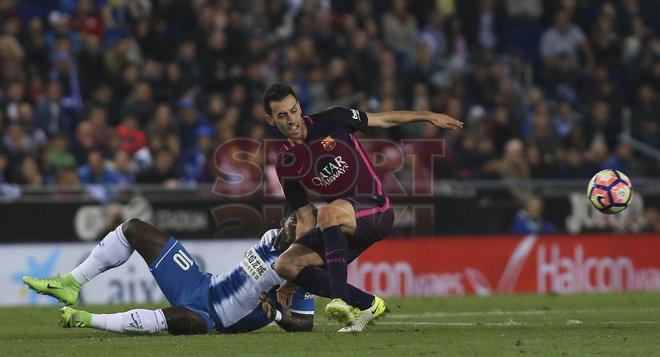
(316, 281)
(335, 261)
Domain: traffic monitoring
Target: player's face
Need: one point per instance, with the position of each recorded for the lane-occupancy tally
(287, 117)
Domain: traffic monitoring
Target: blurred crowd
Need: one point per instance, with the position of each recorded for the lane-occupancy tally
(137, 91)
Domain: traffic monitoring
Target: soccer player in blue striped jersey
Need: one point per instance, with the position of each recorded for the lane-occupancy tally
(240, 300)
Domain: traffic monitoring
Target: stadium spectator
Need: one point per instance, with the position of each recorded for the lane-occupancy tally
(194, 159)
(96, 171)
(645, 117)
(530, 219)
(123, 166)
(51, 116)
(651, 221)
(514, 169)
(140, 103)
(556, 75)
(163, 170)
(188, 122)
(400, 29)
(30, 174)
(572, 164)
(131, 137)
(100, 131)
(58, 156)
(564, 40)
(86, 20)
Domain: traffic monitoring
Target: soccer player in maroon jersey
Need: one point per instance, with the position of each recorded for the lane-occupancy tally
(323, 159)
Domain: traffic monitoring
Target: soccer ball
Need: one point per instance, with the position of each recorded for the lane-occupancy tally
(610, 191)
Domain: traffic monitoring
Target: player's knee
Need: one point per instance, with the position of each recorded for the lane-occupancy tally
(327, 217)
(286, 267)
(134, 230)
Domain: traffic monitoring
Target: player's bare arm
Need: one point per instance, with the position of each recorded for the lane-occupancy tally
(291, 323)
(285, 293)
(395, 118)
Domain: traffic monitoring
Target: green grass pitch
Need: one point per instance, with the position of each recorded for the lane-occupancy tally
(576, 325)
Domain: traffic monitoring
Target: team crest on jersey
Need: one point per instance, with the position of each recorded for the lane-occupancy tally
(328, 143)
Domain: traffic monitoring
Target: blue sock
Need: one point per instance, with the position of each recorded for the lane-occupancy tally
(335, 261)
(316, 281)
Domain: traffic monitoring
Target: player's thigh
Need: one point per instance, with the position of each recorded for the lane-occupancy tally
(338, 212)
(183, 321)
(304, 252)
(370, 229)
(178, 275)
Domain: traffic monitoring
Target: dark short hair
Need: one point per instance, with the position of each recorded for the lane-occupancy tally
(275, 93)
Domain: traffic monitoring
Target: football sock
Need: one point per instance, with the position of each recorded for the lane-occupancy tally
(316, 281)
(111, 252)
(335, 261)
(133, 321)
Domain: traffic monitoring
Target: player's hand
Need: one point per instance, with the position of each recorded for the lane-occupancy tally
(268, 307)
(445, 121)
(285, 294)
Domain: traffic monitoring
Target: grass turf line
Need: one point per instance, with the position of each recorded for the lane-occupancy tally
(570, 325)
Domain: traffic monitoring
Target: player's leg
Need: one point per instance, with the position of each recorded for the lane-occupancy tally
(302, 253)
(113, 251)
(372, 226)
(370, 223)
(340, 218)
(183, 321)
(177, 320)
(180, 280)
(336, 220)
(302, 265)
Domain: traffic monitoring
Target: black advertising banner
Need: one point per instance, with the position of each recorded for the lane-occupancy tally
(197, 214)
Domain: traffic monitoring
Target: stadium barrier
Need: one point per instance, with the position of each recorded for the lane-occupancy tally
(485, 265)
(421, 266)
(455, 208)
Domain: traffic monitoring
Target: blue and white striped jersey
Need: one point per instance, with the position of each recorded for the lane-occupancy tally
(235, 295)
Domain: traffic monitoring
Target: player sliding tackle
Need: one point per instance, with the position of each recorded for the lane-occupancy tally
(236, 301)
(323, 156)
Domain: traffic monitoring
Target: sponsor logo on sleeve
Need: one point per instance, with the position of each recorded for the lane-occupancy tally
(356, 115)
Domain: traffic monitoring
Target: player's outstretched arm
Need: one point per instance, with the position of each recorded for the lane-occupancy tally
(389, 119)
(290, 323)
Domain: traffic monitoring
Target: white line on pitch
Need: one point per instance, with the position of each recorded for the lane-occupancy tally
(460, 324)
(509, 323)
(504, 324)
(631, 322)
(394, 315)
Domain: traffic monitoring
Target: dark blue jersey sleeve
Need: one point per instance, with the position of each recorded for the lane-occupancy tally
(352, 119)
